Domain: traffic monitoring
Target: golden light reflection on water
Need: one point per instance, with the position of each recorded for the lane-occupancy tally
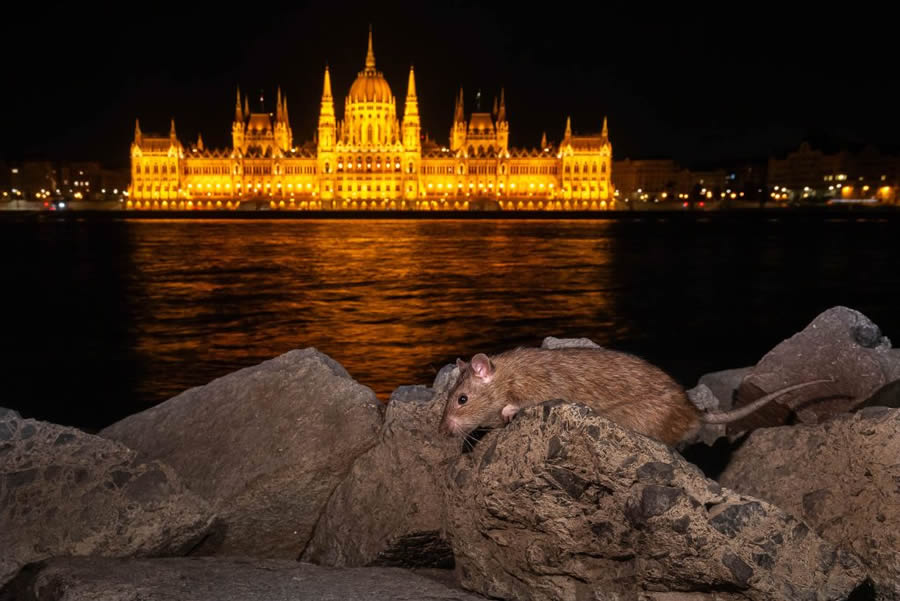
(393, 301)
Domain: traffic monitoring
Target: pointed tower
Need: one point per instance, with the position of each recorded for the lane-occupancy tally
(172, 137)
(494, 111)
(278, 115)
(238, 127)
(568, 132)
(246, 107)
(502, 124)
(607, 190)
(543, 140)
(411, 125)
(136, 154)
(200, 142)
(327, 124)
(370, 54)
(283, 137)
(458, 131)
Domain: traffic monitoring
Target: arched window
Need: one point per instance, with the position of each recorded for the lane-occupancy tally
(576, 167)
(585, 168)
(369, 138)
(603, 167)
(155, 169)
(594, 168)
(327, 168)
(410, 168)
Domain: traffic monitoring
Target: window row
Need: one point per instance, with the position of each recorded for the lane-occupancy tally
(585, 169)
(367, 188)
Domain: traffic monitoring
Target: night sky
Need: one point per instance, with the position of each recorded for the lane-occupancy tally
(743, 81)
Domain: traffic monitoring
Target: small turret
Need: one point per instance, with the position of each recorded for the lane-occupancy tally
(568, 133)
(137, 132)
(200, 142)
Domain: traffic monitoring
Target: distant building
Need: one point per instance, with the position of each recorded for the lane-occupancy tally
(809, 173)
(649, 179)
(370, 159)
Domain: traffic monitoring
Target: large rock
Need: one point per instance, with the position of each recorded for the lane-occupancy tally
(389, 509)
(64, 492)
(840, 343)
(841, 477)
(564, 504)
(266, 446)
(218, 579)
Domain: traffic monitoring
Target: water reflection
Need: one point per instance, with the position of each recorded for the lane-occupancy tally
(145, 309)
(393, 300)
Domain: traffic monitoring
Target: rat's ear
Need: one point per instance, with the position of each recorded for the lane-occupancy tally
(461, 364)
(483, 367)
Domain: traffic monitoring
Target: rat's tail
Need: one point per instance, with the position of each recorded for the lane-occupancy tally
(726, 417)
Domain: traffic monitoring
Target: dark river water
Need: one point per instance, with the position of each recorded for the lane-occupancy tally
(104, 317)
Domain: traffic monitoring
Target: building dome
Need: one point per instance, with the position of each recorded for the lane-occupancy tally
(370, 85)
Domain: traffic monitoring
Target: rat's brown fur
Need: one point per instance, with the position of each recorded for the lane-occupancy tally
(621, 387)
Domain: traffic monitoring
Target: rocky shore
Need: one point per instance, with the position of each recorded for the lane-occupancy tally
(289, 480)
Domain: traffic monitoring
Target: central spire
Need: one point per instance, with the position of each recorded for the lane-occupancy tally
(370, 55)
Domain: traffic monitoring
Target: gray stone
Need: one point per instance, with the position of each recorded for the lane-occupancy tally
(412, 394)
(389, 509)
(446, 378)
(841, 344)
(65, 492)
(705, 400)
(841, 477)
(551, 342)
(266, 446)
(612, 514)
(5, 413)
(218, 579)
(724, 384)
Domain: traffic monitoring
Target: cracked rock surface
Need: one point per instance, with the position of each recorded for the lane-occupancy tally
(564, 504)
(65, 492)
(841, 477)
(265, 446)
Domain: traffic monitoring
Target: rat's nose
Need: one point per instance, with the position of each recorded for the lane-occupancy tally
(448, 426)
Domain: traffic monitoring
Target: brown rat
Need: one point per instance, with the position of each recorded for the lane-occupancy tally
(621, 387)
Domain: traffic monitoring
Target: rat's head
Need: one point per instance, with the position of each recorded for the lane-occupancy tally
(474, 400)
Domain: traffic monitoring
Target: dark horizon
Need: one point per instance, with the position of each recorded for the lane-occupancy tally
(700, 88)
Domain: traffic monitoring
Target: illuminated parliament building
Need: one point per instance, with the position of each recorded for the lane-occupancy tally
(370, 159)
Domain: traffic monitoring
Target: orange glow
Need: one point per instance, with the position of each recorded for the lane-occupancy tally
(263, 149)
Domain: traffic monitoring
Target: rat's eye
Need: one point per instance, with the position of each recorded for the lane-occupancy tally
(463, 399)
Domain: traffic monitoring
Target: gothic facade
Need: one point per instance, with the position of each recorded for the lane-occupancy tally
(371, 159)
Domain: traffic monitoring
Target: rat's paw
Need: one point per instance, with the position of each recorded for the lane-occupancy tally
(508, 412)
